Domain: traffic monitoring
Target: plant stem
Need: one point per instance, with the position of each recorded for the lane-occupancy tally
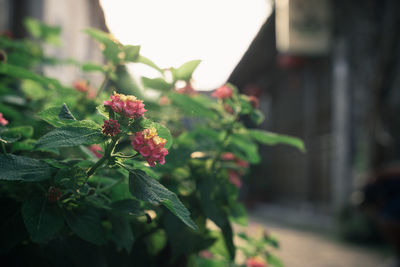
(107, 155)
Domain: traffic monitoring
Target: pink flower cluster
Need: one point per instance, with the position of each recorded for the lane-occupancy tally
(150, 146)
(234, 175)
(111, 127)
(223, 92)
(84, 87)
(3, 121)
(126, 105)
(96, 149)
(256, 262)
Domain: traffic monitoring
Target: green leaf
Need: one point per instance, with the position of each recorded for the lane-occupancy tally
(42, 219)
(163, 132)
(19, 168)
(88, 67)
(185, 71)
(42, 31)
(68, 136)
(87, 225)
(33, 90)
(256, 116)
(131, 52)
(24, 131)
(101, 109)
(122, 232)
(191, 106)
(148, 189)
(269, 138)
(148, 62)
(65, 113)
(156, 83)
(8, 138)
(245, 147)
(112, 48)
(128, 206)
(207, 189)
(239, 214)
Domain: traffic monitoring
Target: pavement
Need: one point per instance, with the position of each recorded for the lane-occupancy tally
(303, 247)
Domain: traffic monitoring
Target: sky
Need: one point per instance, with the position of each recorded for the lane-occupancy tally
(172, 32)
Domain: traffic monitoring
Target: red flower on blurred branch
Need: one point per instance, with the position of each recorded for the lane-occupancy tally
(256, 262)
(95, 149)
(223, 92)
(3, 121)
(111, 127)
(126, 105)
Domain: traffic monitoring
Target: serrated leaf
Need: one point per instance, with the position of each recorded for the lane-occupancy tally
(42, 219)
(150, 190)
(156, 83)
(269, 138)
(87, 225)
(101, 109)
(68, 136)
(185, 71)
(191, 106)
(65, 113)
(19, 168)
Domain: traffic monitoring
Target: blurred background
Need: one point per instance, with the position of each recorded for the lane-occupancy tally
(325, 71)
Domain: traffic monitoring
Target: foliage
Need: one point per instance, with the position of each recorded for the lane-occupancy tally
(76, 171)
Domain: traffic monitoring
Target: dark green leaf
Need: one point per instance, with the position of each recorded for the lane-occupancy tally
(148, 189)
(122, 232)
(68, 136)
(191, 106)
(19, 168)
(87, 225)
(128, 206)
(185, 71)
(256, 116)
(42, 219)
(268, 138)
(65, 113)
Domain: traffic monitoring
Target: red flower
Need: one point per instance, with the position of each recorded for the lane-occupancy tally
(150, 146)
(206, 254)
(223, 92)
(3, 121)
(234, 178)
(228, 156)
(188, 90)
(242, 163)
(53, 194)
(111, 127)
(256, 262)
(95, 150)
(126, 105)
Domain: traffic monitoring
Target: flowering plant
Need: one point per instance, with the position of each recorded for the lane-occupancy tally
(86, 172)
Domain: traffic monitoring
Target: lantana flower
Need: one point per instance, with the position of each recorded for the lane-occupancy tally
(234, 179)
(3, 121)
(126, 105)
(150, 146)
(223, 92)
(111, 127)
